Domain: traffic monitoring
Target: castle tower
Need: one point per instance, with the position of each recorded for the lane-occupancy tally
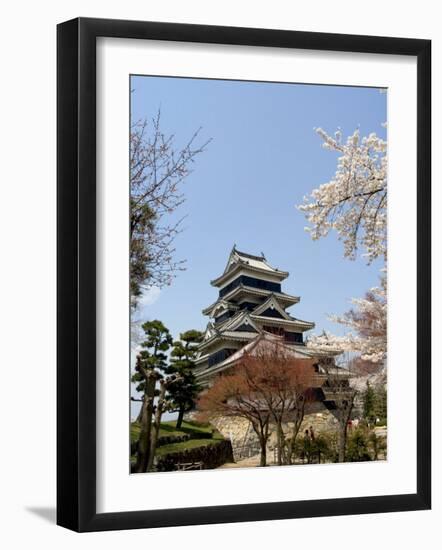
(250, 305)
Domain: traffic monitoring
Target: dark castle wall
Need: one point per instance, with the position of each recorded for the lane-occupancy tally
(251, 282)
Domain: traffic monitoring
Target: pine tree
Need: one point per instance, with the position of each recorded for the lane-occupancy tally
(357, 450)
(369, 399)
(380, 405)
(185, 389)
(151, 365)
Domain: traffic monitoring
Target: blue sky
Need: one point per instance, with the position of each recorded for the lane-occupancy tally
(263, 158)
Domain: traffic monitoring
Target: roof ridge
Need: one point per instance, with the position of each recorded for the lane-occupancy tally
(251, 256)
(236, 316)
(270, 298)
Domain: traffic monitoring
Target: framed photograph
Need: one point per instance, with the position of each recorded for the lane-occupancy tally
(243, 302)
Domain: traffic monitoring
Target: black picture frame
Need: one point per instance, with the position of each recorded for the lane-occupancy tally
(76, 274)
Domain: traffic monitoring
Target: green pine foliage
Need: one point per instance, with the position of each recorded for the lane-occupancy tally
(166, 380)
(358, 447)
(319, 450)
(375, 404)
(184, 391)
(153, 355)
(369, 400)
(150, 367)
(380, 406)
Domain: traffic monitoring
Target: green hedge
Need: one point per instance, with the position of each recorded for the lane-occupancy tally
(212, 455)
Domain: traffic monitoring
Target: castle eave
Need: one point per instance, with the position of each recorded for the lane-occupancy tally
(227, 336)
(295, 323)
(256, 270)
(205, 374)
(251, 291)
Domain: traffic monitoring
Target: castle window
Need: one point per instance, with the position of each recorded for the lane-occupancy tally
(219, 356)
(293, 337)
(279, 331)
(223, 317)
(271, 312)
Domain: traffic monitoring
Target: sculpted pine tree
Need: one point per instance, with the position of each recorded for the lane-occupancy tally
(151, 364)
(185, 390)
(158, 168)
(160, 407)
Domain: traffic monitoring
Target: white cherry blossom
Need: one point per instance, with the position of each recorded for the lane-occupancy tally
(367, 324)
(354, 201)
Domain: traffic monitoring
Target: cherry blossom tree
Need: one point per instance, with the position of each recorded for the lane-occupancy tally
(354, 204)
(354, 201)
(367, 323)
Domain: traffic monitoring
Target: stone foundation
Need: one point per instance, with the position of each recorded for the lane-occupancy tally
(240, 433)
(245, 442)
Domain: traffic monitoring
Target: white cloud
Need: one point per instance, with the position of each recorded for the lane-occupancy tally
(141, 314)
(149, 296)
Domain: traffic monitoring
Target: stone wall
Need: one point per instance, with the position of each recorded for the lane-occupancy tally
(245, 442)
(240, 433)
(321, 420)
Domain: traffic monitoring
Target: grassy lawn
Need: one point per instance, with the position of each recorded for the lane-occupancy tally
(168, 429)
(201, 435)
(192, 428)
(165, 430)
(185, 445)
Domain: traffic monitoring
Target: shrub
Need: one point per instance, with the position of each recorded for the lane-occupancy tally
(317, 450)
(358, 446)
(212, 455)
(378, 445)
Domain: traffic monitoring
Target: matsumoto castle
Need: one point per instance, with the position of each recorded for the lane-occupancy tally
(250, 311)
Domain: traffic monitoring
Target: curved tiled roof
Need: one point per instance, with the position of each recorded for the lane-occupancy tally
(258, 264)
(282, 296)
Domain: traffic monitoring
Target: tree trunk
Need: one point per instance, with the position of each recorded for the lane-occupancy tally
(156, 425)
(263, 457)
(296, 427)
(140, 414)
(262, 431)
(375, 448)
(342, 442)
(280, 442)
(345, 408)
(180, 418)
(143, 447)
